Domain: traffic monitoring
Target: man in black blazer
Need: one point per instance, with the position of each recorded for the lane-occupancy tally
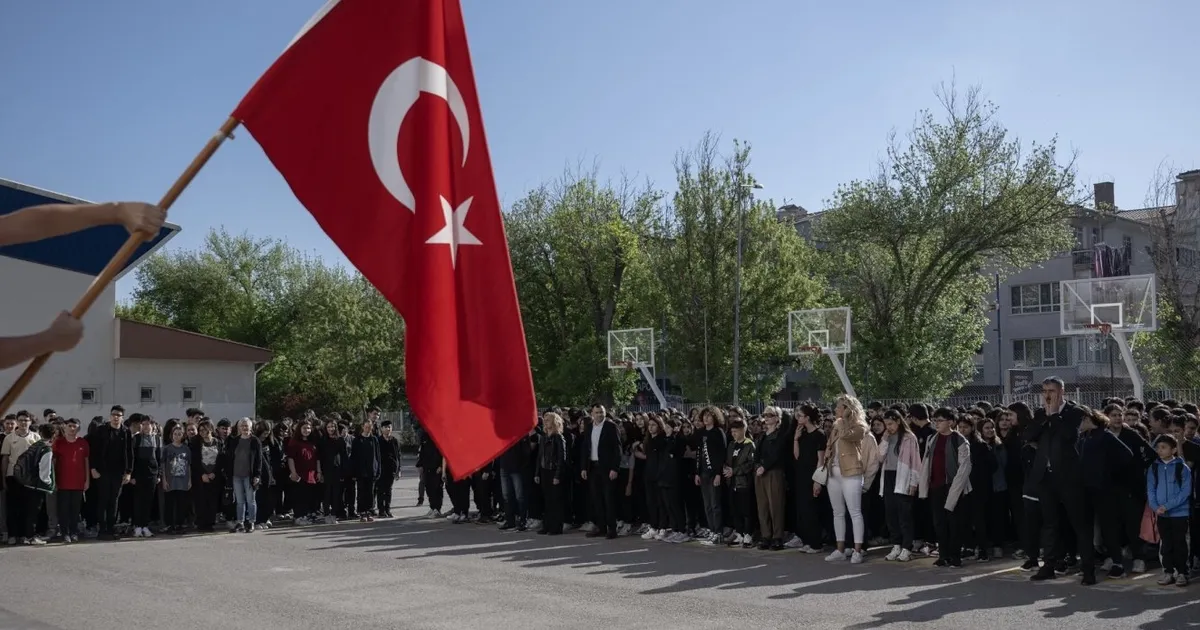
(1057, 476)
(601, 454)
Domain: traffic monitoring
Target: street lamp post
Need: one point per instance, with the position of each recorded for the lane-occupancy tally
(746, 194)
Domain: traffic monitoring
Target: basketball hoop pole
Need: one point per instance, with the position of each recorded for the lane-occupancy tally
(1135, 377)
(841, 372)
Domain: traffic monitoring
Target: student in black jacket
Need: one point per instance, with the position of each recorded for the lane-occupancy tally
(983, 466)
(276, 474)
(1129, 494)
(770, 485)
(389, 468)
(365, 468)
(111, 459)
(208, 455)
(552, 473)
(710, 452)
(511, 465)
(1103, 460)
(431, 466)
(335, 460)
(602, 462)
(1056, 476)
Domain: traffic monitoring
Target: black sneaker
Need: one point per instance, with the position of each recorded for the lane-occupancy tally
(1089, 579)
(764, 544)
(776, 545)
(982, 555)
(1117, 571)
(941, 562)
(1030, 565)
(1045, 573)
(954, 564)
(507, 526)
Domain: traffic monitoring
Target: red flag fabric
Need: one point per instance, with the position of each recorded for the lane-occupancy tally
(372, 117)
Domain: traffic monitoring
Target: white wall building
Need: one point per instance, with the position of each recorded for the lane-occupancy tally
(148, 369)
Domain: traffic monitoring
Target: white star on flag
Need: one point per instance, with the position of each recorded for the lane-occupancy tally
(455, 232)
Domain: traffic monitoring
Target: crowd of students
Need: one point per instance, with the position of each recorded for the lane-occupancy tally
(133, 475)
(1064, 489)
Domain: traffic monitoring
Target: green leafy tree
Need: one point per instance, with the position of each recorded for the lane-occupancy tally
(907, 249)
(579, 257)
(338, 344)
(696, 263)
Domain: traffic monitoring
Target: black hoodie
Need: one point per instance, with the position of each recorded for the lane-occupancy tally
(111, 450)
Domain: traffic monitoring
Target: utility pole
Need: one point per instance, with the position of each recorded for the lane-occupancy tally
(746, 198)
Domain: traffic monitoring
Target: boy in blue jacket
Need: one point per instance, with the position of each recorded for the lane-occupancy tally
(1168, 493)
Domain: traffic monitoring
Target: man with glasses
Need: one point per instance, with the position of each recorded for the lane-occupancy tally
(111, 449)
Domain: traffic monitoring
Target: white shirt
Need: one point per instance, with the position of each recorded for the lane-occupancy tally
(596, 429)
(14, 446)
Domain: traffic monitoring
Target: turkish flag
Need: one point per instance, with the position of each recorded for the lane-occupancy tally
(372, 117)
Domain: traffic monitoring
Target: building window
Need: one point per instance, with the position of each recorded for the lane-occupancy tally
(1055, 352)
(89, 395)
(1096, 237)
(191, 394)
(1037, 298)
(149, 393)
(1079, 244)
(1127, 247)
(1186, 257)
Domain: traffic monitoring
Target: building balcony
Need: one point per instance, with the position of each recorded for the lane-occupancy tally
(1082, 258)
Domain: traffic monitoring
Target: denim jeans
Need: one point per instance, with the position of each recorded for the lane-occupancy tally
(512, 488)
(243, 494)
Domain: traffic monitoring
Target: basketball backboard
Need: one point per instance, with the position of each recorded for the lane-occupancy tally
(632, 347)
(1127, 303)
(824, 328)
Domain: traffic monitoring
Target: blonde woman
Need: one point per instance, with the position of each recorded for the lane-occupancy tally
(552, 473)
(848, 452)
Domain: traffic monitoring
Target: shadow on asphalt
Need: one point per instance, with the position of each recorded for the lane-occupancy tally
(924, 593)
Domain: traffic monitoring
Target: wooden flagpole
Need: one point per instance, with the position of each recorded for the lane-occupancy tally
(122, 256)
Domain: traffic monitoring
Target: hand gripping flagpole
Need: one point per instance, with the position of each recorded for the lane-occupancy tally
(122, 256)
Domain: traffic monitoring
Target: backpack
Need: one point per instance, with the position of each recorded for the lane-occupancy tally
(34, 469)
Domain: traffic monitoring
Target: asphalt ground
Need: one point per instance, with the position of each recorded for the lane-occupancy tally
(416, 573)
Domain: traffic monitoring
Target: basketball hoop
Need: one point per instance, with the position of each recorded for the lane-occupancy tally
(815, 350)
(1101, 332)
(629, 366)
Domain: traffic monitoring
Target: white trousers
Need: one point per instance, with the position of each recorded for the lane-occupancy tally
(845, 493)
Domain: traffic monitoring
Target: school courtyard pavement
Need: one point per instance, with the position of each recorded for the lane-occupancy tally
(413, 573)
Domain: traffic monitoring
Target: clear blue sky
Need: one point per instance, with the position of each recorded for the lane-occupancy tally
(110, 100)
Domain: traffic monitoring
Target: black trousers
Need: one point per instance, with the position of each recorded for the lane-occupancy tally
(265, 499)
(555, 502)
(34, 500)
(604, 499)
(581, 494)
(206, 500)
(744, 510)
(1101, 509)
(1066, 509)
(460, 495)
(656, 517)
(947, 524)
(334, 496)
(1031, 527)
(304, 498)
(145, 493)
(349, 497)
(14, 508)
(671, 506)
(808, 517)
(383, 492)
(366, 496)
(175, 508)
(70, 502)
(1173, 550)
(898, 510)
(483, 496)
(108, 495)
(433, 488)
(1130, 506)
(976, 504)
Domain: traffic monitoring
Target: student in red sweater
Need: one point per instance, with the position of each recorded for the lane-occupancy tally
(71, 454)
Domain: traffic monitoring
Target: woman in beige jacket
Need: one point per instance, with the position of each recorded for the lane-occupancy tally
(848, 452)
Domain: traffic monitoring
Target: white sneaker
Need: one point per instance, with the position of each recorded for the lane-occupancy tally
(624, 529)
(836, 556)
(856, 557)
(588, 527)
(713, 539)
(663, 534)
(895, 553)
(1139, 566)
(534, 524)
(1107, 564)
(809, 549)
(649, 534)
(146, 533)
(738, 539)
(849, 552)
(904, 556)
(678, 538)
(432, 513)
(794, 543)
